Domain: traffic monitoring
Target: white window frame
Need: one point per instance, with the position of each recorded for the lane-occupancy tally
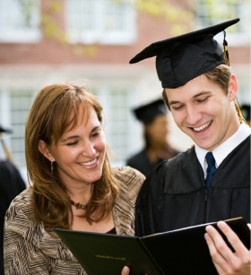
(240, 38)
(100, 34)
(10, 33)
(114, 128)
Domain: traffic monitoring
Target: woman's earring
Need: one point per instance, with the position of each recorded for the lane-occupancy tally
(51, 167)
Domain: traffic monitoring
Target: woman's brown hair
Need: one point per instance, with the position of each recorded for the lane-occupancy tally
(48, 119)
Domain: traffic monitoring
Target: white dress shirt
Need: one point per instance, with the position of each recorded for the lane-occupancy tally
(224, 149)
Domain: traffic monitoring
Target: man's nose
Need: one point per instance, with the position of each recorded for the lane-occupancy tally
(193, 115)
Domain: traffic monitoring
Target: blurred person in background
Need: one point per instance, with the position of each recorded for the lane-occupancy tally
(156, 129)
(245, 109)
(72, 184)
(11, 184)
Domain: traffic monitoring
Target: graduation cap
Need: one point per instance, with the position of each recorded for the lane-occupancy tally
(146, 113)
(184, 57)
(4, 130)
(7, 131)
(245, 109)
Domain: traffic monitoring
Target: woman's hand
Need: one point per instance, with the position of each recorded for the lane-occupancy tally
(125, 270)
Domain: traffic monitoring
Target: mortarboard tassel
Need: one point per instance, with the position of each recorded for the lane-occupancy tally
(226, 56)
(225, 47)
(240, 115)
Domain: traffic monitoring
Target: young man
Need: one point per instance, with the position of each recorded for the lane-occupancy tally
(211, 181)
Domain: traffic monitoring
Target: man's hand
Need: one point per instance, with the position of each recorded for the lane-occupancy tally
(225, 261)
(125, 271)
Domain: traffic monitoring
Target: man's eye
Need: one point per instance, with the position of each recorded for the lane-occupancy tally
(203, 99)
(177, 107)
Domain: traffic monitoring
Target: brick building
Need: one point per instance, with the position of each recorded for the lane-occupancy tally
(102, 36)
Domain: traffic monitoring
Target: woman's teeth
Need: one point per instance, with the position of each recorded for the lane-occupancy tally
(90, 162)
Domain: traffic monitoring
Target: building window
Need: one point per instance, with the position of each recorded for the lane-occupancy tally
(16, 105)
(119, 123)
(100, 21)
(122, 132)
(19, 21)
(211, 12)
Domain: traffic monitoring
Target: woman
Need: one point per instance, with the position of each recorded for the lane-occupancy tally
(72, 184)
(156, 129)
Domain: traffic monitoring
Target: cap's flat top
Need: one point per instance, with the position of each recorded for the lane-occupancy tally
(155, 48)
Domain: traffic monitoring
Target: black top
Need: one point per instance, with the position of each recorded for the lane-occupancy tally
(112, 231)
(175, 195)
(11, 184)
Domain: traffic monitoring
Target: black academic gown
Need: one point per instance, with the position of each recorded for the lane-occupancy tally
(11, 184)
(175, 195)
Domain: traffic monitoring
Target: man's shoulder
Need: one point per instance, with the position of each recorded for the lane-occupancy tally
(179, 160)
(172, 170)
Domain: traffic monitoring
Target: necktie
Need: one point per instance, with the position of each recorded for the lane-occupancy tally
(211, 168)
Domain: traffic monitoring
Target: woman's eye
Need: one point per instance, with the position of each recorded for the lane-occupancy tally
(72, 143)
(96, 134)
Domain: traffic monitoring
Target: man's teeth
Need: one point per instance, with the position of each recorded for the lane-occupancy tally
(90, 162)
(202, 127)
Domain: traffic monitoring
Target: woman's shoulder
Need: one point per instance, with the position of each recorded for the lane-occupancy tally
(129, 178)
(23, 199)
(128, 174)
(21, 205)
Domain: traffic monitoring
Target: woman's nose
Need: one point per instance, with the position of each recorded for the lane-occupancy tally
(89, 149)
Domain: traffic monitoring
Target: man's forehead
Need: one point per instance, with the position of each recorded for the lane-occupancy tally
(194, 88)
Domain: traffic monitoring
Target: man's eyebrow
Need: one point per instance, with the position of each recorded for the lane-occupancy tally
(197, 95)
(72, 137)
(173, 102)
(202, 93)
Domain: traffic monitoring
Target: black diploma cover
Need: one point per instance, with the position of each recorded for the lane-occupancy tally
(182, 251)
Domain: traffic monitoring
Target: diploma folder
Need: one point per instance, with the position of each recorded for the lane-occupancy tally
(181, 251)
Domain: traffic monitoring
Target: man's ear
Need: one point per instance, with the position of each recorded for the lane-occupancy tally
(232, 88)
(43, 149)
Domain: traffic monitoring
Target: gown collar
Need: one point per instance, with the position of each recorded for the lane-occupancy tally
(224, 149)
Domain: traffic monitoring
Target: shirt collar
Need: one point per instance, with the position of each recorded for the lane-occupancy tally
(224, 149)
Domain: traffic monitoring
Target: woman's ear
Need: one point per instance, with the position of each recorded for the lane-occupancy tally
(43, 149)
(232, 88)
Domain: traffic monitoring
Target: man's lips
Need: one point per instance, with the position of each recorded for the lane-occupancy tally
(202, 127)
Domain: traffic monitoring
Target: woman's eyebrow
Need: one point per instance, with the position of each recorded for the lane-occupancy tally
(76, 136)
